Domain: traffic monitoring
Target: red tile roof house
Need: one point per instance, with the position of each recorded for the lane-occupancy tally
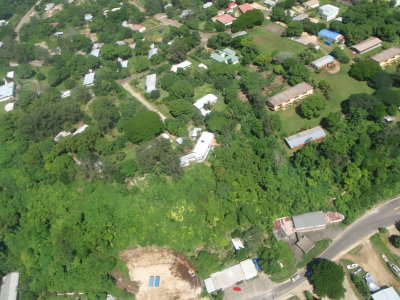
(137, 27)
(245, 7)
(225, 19)
(220, 12)
(232, 5)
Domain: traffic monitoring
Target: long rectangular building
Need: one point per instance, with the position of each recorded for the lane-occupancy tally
(367, 45)
(245, 270)
(323, 62)
(200, 152)
(300, 139)
(309, 221)
(289, 96)
(387, 57)
(9, 285)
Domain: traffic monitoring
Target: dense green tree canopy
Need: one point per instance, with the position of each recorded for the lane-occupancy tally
(143, 126)
(327, 279)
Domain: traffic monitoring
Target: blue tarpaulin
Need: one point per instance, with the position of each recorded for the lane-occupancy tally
(157, 281)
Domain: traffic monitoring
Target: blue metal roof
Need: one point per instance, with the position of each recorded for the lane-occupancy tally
(325, 33)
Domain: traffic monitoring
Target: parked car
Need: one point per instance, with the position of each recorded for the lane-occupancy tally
(295, 278)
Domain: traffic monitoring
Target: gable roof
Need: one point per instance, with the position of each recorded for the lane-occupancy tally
(366, 44)
(304, 137)
(290, 93)
(225, 19)
(386, 54)
(245, 7)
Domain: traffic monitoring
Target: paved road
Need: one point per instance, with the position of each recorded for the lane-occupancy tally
(383, 215)
(25, 19)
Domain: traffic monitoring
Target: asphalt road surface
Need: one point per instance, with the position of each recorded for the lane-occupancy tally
(383, 215)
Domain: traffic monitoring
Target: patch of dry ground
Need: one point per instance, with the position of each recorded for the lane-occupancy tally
(393, 231)
(275, 28)
(369, 259)
(173, 268)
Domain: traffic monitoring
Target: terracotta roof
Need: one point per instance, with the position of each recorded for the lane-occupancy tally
(386, 54)
(225, 19)
(137, 27)
(366, 44)
(245, 7)
(232, 5)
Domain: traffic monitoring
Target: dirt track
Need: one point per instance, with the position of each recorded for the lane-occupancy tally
(173, 268)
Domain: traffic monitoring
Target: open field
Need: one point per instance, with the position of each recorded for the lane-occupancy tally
(342, 87)
(173, 269)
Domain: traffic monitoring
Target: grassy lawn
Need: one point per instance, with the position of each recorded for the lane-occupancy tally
(320, 246)
(289, 264)
(342, 87)
(269, 42)
(379, 241)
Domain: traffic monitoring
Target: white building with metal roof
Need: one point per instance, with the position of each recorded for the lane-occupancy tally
(245, 270)
(386, 294)
(61, 135)
(7, 92)
(307, 136)
(81, 129)
(328, 12)
(200, 152)
(237, 244)
(323, 62)
(95, 52)
(151, 81)
(309, 221)
(207, 99)
(183, 65)
(9, 286)
(88, 80)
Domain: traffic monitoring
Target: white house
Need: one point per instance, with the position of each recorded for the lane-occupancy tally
(95, 52)
(89, 79)
(328, 12)
(81, 129)
(151, 81)
(207, 4)
(237, 244)
(183, 65)
(207, 99)
(10, 75)
(7, 92)
(61, 135)
(200, 152)
(9, 286)
(48, 6)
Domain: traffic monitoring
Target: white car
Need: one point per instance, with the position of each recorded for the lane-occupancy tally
(353, 266)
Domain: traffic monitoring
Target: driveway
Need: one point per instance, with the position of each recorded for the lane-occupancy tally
(382, 215)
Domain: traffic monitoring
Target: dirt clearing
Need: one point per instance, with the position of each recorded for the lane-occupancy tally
(275, 28)
(369, 259)
(172, 267)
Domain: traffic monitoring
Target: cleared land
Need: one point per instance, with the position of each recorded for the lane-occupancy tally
(173, 268)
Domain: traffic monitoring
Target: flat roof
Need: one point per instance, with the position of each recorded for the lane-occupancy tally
(308, 220)
(9, 286)
(323, 61)
(95, 52)
(386, 54)
(237, 243)
(386, 294)
(366, 44)
(290, 93)
(328, 9)
(81, 129)
(151, 83)
(7, 90)
(305, 137)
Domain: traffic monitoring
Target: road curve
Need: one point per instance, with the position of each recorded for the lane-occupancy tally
(382, 215)
(142, 100)
(25, 19)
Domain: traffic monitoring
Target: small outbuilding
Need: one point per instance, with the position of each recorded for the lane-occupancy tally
(237, 244)
(307, 136)
(88, 80)
(323, 62)
(151, 83)
(305, 244)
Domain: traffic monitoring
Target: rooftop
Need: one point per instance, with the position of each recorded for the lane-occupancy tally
(366, 44)
(207, 99)
(138, 27)
(323, 61)
(237, 243)
(290, 93)
(203, 143)
(305, 137)
(95, 52)
(245, 7)
(7, 90)
(9, 286)
(183, 65)
(328, 10)
(310, 2)
(225, 19)
(386, 294)
(386, 54)
(305, 244)
(308, 220)
(329, 34)
(89, 79)
(151, 83)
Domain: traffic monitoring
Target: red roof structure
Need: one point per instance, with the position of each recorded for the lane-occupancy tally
(137, 27)
(245, 7)
(232, 5)
(225, 19)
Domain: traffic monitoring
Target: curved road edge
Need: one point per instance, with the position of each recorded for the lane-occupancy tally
(382, 215)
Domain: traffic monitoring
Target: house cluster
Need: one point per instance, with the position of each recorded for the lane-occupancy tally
(204, 145)
(226, 16)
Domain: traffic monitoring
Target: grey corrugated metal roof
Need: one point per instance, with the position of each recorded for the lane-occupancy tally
(89, 79)
(290, 93)
(7, 90)
(9, 286)
(151, 83)
(305, 137)
(323, 61)
(386, 294)
(310, 219)
(386, 54)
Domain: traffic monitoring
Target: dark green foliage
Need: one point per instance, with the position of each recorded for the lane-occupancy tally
(279, 14)
(25, 71)
(381, 79)
(143, 126)
(327, 279)
(153, 7)
(206, 263)
(364, 70)
(180, 107)
(361, 285)
(293, 29)
(340, 55)
(388, 96)
(248, 20)
(217, 122)
(105, 113)
(298, 73)
(312, 107)
(177, 52)
(395, 240)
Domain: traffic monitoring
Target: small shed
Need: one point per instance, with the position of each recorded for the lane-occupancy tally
(305, 244)
(237, 244)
